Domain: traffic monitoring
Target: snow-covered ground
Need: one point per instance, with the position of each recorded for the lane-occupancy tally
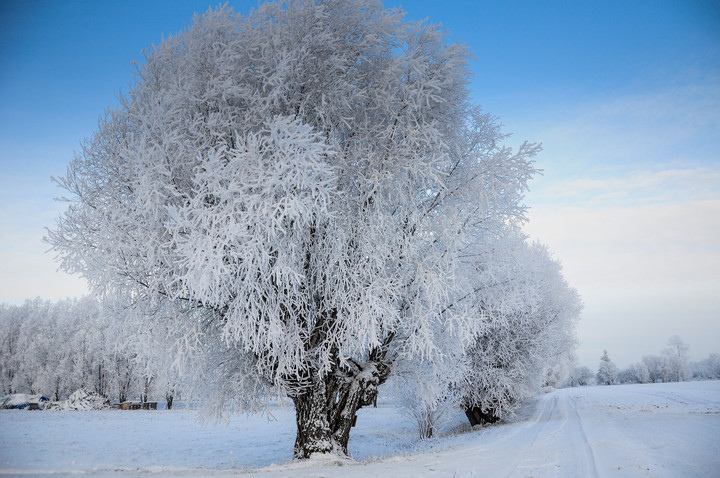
(659, 430)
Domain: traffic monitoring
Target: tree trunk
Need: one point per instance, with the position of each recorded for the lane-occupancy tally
(169, 398)
(479, 417)
(146, 390)
(326, 411)
(313, 428)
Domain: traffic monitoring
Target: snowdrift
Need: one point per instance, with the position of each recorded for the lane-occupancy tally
(82, 400)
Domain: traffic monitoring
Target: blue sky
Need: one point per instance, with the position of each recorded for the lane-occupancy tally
(624, 96)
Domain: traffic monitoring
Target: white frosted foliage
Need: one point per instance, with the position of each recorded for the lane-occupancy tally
(303, 184)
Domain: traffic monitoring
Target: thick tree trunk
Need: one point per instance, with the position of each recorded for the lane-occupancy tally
(326, 411)
(357, 390)
(479, 417)
(313, 428)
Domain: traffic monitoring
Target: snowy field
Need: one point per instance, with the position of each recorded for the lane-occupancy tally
(658, 430)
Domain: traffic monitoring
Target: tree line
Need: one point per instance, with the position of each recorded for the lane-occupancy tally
(56, 348)
(672, 365)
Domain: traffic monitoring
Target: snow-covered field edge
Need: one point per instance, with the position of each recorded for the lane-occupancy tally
(658, 430)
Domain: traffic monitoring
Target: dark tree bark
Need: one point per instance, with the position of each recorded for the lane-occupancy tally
(326, 410)
(169, 398)
(477, 416)
(313, 429)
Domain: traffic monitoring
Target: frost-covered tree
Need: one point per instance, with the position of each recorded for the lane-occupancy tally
(10, 324)
(658, 367)
(708, 368)
(672, 365)
(147, 352)
(678, 361)
(636, 373)
(54, 348)
(528, 313)
(302, 183)
(607, 371)
(32, 345)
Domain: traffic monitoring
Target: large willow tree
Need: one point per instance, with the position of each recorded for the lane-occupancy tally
(300, 185)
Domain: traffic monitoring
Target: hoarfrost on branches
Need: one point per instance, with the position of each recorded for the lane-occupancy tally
(607, 370)
(303, 185)
(528, 312)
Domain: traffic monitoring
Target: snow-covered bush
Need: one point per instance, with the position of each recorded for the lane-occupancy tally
(430, 414)
(427, 395)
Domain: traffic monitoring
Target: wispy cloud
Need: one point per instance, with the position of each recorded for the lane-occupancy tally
(634, 188)
(677, 127)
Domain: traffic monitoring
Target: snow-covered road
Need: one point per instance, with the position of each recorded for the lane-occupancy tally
(658, 430)
(553, 439)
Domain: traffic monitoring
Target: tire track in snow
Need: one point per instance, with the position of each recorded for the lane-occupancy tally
(555, 444)
(586, 456)
(532, 437)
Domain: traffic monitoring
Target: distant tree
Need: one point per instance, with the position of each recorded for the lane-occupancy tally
(303, 184)
(42, 348)
(54, 348)
(580, 377)
(31, 370)
(637, 373)
(10, 325)
(672, 365)
(678, 361)
(607, 371)
(708, 368)
(657, 366)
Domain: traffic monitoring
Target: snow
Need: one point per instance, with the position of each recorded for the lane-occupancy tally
(21, 400)
(658, 430)
(82, 399)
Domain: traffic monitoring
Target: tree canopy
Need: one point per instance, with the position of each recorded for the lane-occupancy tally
(305, 186)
